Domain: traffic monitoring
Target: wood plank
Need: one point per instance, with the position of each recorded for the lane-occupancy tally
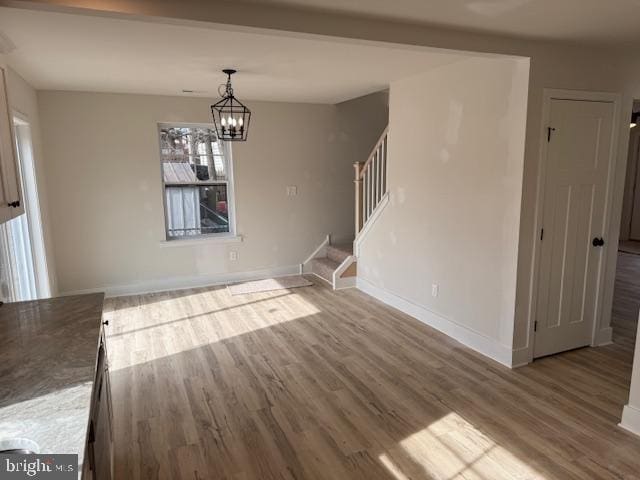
(316, 384)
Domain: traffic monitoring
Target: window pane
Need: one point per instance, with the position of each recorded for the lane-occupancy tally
(196, 210)
(194, 148)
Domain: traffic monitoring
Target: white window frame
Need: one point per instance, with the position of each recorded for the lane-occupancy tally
(229, 236)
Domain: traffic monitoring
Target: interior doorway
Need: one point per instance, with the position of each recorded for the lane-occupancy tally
(630, 222)
(626, 298)
(23, 266)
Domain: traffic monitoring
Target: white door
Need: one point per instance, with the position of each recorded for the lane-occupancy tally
(10, 198)
(576, 179)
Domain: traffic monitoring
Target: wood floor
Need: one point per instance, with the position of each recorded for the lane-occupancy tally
(312, 384)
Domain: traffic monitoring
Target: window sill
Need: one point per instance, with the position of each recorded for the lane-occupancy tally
(213, 239)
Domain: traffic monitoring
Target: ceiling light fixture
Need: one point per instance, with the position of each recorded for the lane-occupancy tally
(230, 117)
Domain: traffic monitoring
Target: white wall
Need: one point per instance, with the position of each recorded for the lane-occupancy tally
(456, 147)
(23, 100)
(103, 178)
(631, 412)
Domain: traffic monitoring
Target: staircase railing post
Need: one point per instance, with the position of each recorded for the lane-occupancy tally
(358, 184)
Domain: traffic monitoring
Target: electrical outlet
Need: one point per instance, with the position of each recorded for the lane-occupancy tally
(233, 255)
(292, 191)
(435, 288)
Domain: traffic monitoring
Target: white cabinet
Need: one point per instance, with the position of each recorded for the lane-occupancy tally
(11, 201)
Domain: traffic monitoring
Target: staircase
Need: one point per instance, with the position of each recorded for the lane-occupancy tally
(336, 264)
(336, 256)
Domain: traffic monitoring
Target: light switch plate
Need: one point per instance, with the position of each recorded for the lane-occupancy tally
(233, 255)
(292, 191)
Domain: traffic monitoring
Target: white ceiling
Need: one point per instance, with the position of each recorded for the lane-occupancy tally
(589, 21)
(60, 51)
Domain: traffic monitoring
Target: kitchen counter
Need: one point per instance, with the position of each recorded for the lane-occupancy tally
(48, 354)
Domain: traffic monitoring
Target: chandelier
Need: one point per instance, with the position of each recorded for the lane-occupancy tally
(230, 116)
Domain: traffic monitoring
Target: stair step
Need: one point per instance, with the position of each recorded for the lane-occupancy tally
(324, 268)
(339, 253)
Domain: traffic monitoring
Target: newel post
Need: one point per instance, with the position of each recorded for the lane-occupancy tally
(358, 183)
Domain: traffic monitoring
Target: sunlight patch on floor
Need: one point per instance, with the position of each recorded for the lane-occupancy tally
(452, 448)
(155, 330)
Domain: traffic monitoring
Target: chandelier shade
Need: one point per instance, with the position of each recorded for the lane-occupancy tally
(230, 116)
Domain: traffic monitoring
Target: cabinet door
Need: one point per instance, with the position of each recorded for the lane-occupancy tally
(11, 202)
(102, 443)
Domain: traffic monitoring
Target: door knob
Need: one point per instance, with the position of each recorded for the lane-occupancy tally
(598, 242)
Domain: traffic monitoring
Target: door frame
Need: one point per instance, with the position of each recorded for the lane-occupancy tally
(32, 207)
(550, 94)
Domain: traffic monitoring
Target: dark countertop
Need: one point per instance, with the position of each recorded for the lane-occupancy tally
(48, 352)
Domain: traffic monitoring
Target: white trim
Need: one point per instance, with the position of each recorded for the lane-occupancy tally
(324, 280)
(630, 419)
(195, 281)
(520, 357)
(321, 251)
(201, 240)
(559, 94)
(231, 188)
(474, 340)
(370, 221)
(603, 337)
(29, 179)
(347, 282)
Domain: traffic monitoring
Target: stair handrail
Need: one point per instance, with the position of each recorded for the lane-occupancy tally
(371, 156)
(370, 181)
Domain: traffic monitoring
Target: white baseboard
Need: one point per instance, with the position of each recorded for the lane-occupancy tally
(523, 356)
(179, 283)
(344, 282)
(347, 282)
(631, 419)
(603, 337)
(478, 342)
(520, 357)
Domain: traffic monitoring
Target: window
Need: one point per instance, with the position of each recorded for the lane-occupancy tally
(197, 180)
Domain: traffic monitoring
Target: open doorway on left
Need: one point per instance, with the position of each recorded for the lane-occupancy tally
(23, 268)
(626, 298)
